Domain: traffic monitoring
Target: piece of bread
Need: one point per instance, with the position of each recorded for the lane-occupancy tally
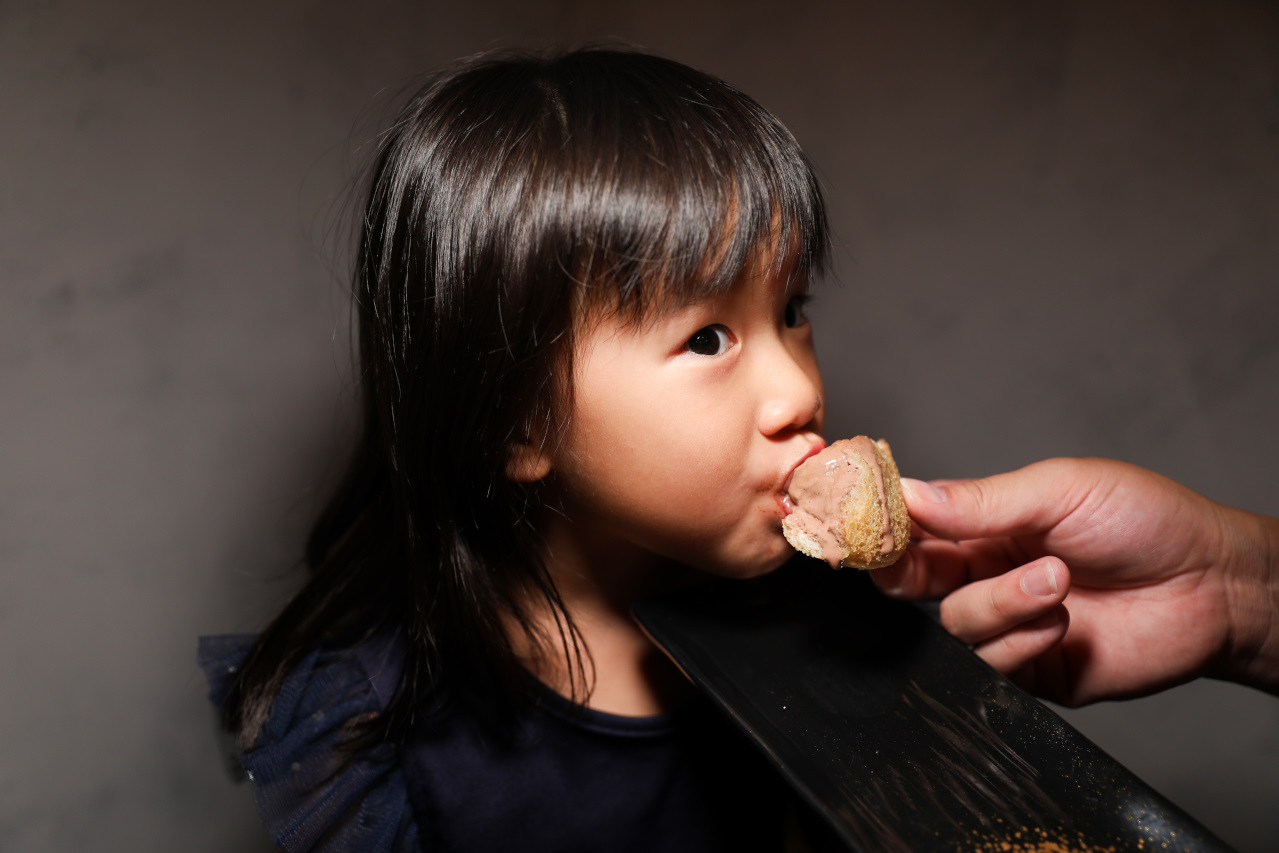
(847, 506)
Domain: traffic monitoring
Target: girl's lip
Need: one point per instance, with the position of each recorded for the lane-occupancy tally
(784, 493)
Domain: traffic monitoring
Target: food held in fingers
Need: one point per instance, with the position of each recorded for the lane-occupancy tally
(847, 507)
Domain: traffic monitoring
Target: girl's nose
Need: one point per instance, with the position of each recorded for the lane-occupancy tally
(795, 397)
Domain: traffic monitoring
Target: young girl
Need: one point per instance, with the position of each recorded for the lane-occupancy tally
(586, 376)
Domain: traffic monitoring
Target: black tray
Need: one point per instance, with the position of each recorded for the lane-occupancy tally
(897, 734)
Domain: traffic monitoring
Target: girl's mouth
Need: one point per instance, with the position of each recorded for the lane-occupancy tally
(783, 495)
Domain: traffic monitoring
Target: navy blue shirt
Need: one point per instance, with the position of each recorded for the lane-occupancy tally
(570, 778)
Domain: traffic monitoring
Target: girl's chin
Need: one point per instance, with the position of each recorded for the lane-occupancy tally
(750, 557)
(757, 566)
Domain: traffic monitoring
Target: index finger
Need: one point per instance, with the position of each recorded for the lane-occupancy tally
(934, 568)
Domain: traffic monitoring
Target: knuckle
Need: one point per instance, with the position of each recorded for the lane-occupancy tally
(996, 601)
(982, 496)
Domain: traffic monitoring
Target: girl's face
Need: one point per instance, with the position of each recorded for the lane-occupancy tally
(685, 431)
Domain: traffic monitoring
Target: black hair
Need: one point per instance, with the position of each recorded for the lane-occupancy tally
(514, 194)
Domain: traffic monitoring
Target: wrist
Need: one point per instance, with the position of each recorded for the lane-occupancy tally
(1252, 586)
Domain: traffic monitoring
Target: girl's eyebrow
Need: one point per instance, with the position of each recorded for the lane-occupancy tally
(677, 314)
(671, 307)
(799, 285)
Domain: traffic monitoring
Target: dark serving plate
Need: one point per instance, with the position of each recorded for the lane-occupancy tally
(897, 734)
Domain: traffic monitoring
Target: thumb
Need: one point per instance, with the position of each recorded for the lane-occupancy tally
(1028, 501)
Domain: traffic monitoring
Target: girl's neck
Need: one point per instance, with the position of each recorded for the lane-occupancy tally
(598, 582)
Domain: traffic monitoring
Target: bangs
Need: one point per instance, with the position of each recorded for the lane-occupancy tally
(647, 183)
(685, 183)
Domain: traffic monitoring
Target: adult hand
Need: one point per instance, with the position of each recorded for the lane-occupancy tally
(1160, 584)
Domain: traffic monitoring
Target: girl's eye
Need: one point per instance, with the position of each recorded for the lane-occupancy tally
(794, 316)
(711, 340)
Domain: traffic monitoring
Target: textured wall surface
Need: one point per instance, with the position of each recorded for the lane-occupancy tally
(1067, 213)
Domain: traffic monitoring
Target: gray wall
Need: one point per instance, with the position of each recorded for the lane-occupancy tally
(1068, 213)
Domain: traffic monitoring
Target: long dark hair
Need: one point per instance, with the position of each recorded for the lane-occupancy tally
(513, 195)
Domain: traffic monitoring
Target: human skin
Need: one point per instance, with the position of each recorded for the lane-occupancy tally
(1088, 579)
(683, 433)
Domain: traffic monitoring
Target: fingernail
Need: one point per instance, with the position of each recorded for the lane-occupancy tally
(920, 491)
(1040, 581)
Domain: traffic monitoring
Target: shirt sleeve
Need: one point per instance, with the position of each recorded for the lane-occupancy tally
(312, 794)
